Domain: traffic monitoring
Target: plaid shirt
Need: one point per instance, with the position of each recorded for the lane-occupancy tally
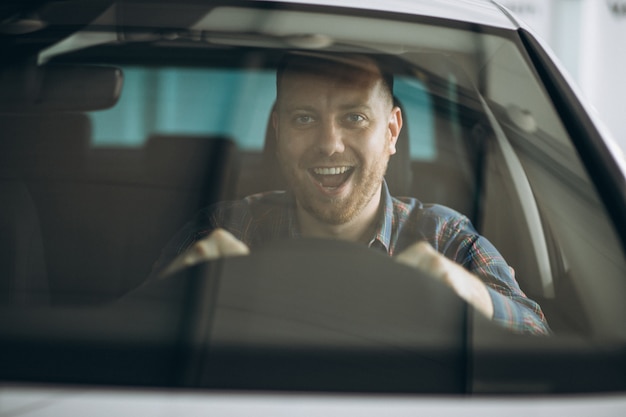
(261, 218)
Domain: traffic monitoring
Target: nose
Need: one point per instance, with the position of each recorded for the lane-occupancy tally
(330, 138)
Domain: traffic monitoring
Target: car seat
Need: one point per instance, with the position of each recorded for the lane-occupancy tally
(36, 149)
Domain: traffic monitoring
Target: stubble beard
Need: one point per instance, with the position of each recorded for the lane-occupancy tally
(340, 210)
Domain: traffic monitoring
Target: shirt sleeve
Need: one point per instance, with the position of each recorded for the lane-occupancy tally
(512, 308)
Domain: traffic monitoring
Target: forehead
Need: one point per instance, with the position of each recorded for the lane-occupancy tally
(294, 83)
(341, 66)
(301, 81)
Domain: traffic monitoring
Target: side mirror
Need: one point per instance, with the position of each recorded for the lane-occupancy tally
(59, 88)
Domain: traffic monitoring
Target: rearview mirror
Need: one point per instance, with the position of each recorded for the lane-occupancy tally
(59, 88)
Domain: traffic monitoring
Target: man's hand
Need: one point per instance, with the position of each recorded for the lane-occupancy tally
(425, 258)
(219, 244)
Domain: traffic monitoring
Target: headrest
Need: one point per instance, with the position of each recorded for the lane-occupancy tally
(192, 161)
(51, 143)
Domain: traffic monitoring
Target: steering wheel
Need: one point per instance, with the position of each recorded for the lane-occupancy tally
(327, 293)
(311, 313)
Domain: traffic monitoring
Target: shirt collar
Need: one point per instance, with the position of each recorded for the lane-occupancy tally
(383, 231)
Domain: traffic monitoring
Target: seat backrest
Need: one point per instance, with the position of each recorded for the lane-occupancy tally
(88, 223)
(43, 145)
(132, 212)
(35, 150)
(23, 275)
(184, 174)
(206, 162)
(398, 176)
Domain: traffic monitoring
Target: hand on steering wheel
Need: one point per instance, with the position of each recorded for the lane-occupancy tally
(219, 244)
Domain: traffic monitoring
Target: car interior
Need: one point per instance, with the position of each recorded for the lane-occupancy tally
(96, 218)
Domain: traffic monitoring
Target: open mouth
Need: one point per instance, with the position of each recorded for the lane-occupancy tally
(331, 177)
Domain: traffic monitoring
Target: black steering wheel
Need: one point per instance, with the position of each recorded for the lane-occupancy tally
(319, 292)
(320, 314)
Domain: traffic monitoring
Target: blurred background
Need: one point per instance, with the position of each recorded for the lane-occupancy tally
(589, 38)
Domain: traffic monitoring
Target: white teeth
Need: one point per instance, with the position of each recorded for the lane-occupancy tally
(330, 171)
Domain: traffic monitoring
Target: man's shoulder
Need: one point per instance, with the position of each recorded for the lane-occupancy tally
(431, 219)
(416, 208)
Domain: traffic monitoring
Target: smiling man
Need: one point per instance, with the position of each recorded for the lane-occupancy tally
(336, 128)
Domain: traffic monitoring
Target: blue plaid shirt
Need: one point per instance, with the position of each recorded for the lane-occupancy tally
(261, 218)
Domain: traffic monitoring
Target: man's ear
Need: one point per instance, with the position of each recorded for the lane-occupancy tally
(274, 119)
(272, 133)
(395, 126)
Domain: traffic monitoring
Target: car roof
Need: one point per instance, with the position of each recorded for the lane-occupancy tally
(484, 12)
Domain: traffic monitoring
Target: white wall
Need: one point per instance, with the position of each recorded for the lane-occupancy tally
(589, 38)
(602, 62)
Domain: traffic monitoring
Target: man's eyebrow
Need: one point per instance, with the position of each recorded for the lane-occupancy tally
(309, 108)
(295, 107)
(355, 106)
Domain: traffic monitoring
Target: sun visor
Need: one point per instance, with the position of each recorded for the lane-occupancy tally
(59, 88)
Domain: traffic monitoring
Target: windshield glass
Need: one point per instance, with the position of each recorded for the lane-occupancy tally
(274, 198)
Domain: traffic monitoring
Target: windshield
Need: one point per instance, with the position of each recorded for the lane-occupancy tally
(128, 141)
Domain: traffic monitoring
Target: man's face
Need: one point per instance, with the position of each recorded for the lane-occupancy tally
(335, 135)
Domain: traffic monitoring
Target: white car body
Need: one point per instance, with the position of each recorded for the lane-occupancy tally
(27, 398)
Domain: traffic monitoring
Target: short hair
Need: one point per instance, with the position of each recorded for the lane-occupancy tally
(328, 64)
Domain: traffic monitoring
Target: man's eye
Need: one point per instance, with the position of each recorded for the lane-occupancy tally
(303, 119)
(355, 118)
